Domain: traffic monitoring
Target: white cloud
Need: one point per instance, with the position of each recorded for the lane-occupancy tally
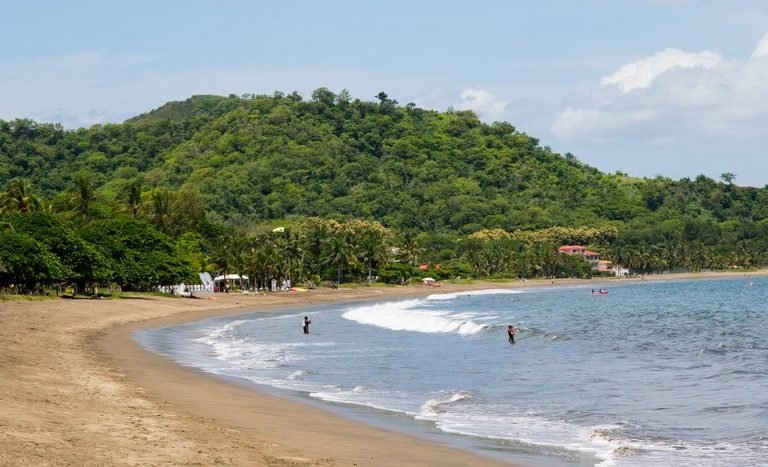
(593, 124)
(762, 48)
(485, 104)
(672, 95)
(572, 121)
(640, 74)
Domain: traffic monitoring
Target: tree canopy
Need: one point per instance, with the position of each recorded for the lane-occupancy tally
(357, 183)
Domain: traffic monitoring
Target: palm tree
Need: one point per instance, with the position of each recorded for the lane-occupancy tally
(340, 252)
(294, 254)
(410, 247)
(222, 257)
(238, 255)
(162, 202)
(131, 199)
(373, 250)
(314, 239)
(83, 196)
(18, 197)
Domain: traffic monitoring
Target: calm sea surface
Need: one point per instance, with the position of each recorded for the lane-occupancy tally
(669, 373)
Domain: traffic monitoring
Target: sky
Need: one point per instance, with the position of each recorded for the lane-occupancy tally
(675, 88)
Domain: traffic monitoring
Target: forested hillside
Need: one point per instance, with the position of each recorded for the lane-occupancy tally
(213, 164)
(257, 158)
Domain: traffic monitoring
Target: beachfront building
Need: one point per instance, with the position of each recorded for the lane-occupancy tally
(620, 271)
(223, 284)
(604, 265)
(592, 257)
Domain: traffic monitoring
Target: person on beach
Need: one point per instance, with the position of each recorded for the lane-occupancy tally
(306, 324)
(511, 331)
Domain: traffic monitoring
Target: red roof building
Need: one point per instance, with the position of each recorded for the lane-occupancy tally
(592, 256)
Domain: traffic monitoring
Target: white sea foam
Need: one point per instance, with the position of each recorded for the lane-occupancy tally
(606, 442)
(244, 353)
(526, 430)
(437, 406)
(405, 316)
(298, 374)
(366, 397)
(452, 296)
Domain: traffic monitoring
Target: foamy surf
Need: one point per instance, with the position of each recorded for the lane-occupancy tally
(525, 430)
(437, 406)
(405, 316)
(471, 293)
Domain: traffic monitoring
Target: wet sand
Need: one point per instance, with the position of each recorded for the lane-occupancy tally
(76, 389)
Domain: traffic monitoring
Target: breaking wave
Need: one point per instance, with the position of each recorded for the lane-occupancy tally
(436, 406)
(406, 316)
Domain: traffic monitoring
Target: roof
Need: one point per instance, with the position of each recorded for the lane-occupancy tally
(230, 277)
(571, 249)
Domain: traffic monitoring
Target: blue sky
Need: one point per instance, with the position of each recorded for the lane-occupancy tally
(648, 87)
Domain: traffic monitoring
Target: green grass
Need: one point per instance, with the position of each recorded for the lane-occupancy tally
(9, 297)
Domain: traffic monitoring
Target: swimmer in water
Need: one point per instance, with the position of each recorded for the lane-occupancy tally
(511, 331)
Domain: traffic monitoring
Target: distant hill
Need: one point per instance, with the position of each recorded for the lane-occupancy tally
(204, 106)
(261, 158)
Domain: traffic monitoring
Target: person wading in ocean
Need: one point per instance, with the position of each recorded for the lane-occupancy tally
(306, 324)
(511, 331)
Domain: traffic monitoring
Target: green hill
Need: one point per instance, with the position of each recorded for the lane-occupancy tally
(203, 106)
(257, 159)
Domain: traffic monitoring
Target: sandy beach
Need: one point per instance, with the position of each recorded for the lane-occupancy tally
(76, 389)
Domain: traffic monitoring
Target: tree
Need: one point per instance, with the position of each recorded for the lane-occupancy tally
(27, 264)
(187, 212)
(340, 252)
(343, 98)
(161, 209)
(222, 255)
(18, 197)
(728, 177)
(82, 263)
(409, 246)
(83, 196)
(370, 241)
(323, 96)
(131, 199)
(142, 258)
(395, 273)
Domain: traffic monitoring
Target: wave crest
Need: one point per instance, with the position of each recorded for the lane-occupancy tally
(404, 316)
(436, 407)
(451, 296)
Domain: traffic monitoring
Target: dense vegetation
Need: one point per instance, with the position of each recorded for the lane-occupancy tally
(199, 185)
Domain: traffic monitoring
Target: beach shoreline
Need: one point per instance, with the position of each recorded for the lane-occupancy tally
(76, 388)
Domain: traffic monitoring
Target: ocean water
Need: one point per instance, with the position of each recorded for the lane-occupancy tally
(653, 373)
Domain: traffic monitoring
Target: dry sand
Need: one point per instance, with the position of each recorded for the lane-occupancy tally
(76, 389)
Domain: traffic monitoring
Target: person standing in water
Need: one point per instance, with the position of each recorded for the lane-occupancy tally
(511, 331)
(306, 324)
